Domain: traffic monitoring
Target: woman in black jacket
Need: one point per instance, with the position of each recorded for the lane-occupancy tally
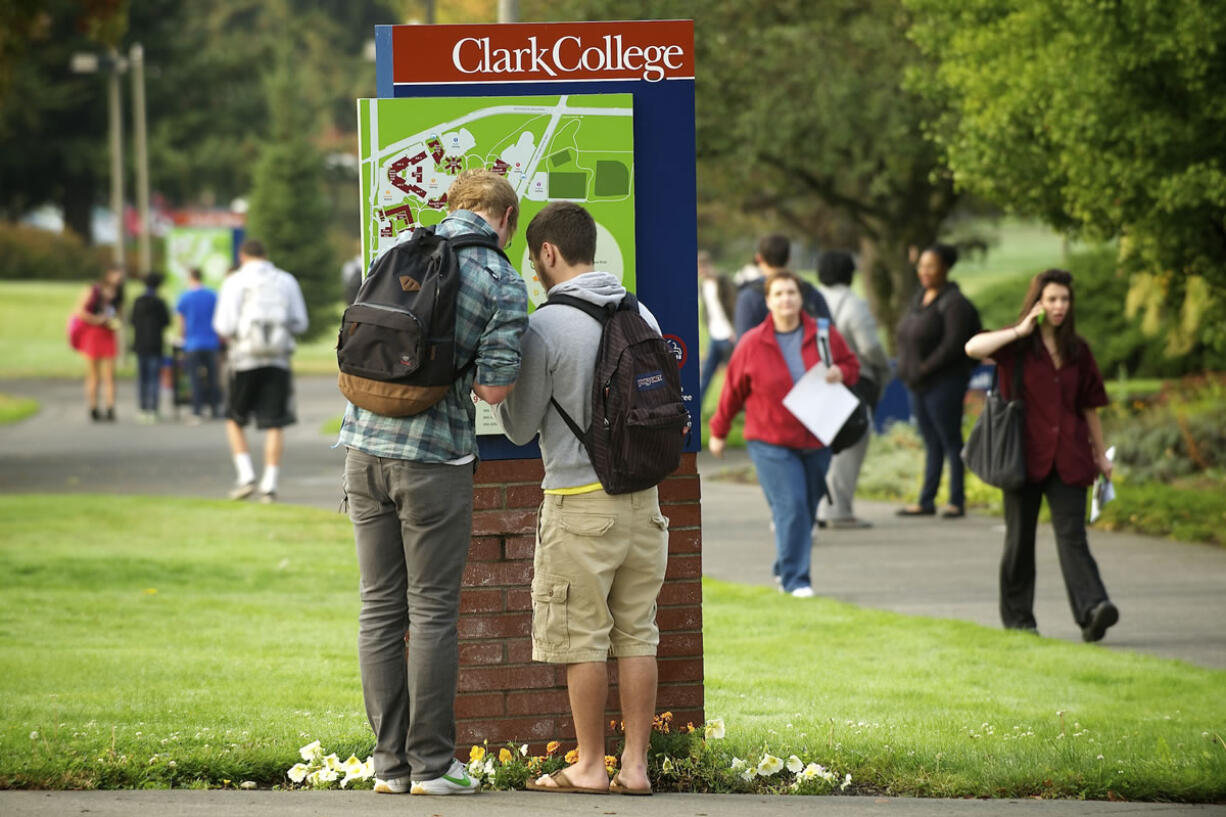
(936, 370)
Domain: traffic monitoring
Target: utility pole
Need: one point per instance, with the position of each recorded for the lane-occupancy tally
(116, 122)
(508, 11)
(137, 57)
(430, 16)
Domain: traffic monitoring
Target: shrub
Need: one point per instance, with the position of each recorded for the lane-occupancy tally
(28, 253)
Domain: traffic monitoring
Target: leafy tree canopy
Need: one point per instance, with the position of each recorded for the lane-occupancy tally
(1102, 118)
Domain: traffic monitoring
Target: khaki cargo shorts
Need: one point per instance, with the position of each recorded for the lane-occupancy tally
(599, 565)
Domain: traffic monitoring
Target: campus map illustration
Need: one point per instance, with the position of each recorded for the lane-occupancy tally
(550, 148)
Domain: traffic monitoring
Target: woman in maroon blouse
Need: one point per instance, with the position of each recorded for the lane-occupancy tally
(1062, 390)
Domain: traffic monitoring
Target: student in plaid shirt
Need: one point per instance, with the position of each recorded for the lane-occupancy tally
(408, 482)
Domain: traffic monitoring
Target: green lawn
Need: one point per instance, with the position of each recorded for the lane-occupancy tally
(35, 339)
(154, 642)
(14, 409)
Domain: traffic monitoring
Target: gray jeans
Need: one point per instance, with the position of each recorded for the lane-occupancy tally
(412, 523)
(841, 482)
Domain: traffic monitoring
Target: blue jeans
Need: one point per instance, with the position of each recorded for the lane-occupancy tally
(718, 351)
(202, 366)
(793, 480)
(148, 381)
(938, 412)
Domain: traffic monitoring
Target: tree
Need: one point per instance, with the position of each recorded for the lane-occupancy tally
(1105, 119)
(802, 119)
(289, 209)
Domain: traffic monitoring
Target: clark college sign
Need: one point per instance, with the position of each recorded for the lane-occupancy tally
(549, 52)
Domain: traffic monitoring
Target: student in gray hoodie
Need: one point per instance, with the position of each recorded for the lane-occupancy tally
(600, 558)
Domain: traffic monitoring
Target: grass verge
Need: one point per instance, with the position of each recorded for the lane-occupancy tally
(168, 642)
(14, 409)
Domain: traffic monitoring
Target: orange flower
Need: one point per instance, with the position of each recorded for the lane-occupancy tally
(476, 753)
(572, 757)
(552, 747)
(504, 755)
(610, 763)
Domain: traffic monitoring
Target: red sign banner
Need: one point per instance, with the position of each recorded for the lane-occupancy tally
(543, 52)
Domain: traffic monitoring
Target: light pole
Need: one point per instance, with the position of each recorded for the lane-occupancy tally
(113, 64)
(137, 57)
(508, 11)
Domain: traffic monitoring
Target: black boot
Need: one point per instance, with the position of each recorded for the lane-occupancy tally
(110, 414)
(94, 415)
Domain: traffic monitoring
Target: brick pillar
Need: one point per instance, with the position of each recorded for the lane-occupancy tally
(505, 696)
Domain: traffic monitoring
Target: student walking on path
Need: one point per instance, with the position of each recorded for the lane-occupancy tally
(791, 462)
(718, 296)
(196, 308)
(150, 317)
(932, 363)
(259, 310)
(854, 320)
(1062, 391)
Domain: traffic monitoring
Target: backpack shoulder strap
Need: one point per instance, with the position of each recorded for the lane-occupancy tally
(823, 341)
(476, 240)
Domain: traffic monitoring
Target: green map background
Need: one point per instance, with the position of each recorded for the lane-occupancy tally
(589, 139)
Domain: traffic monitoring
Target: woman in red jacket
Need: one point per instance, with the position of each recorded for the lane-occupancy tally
(790, 461)
(1062, 391)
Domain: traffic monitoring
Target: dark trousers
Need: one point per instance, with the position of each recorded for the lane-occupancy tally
(148, 381)
(202, 366)
(1068, 514)
(938, 412)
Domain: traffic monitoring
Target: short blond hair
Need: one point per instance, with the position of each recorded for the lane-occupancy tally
(483, 190)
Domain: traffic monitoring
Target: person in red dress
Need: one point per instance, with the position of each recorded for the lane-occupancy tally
(100, 310)
(1062, 391)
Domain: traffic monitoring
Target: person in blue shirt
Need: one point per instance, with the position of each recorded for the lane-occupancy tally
(200, 344)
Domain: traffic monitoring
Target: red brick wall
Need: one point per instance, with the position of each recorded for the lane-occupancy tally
(505, 696)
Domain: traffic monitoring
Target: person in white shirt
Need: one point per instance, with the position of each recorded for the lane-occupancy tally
(719, 303)
(259, 310)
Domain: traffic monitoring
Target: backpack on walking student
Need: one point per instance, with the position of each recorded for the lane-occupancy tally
(396, 347)
(263, 316)
(639, 420)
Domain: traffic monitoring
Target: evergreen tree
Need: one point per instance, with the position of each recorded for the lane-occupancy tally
(289, 209)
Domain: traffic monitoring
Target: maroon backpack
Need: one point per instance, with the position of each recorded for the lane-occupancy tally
(639, 421)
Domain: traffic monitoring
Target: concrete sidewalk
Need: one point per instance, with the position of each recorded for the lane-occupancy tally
(529, 804)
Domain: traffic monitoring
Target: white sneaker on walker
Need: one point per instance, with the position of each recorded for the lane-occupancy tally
(399, 785)
(803, 592)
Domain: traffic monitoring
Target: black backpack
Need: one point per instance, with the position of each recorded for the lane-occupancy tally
(639, 421)
(396, 348)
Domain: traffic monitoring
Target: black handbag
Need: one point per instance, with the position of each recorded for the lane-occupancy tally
(856, 425)
(995, 451)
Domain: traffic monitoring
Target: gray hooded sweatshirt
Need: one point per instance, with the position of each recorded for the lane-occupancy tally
(559, 361)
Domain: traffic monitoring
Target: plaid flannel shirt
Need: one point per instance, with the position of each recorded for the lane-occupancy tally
(491, 316)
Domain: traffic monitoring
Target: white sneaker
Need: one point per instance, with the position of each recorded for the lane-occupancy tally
(398, 786)
(268, 497)
(805, 592)
(454, 781)
(242, 490)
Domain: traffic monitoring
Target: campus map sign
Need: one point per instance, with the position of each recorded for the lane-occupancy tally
(575, 148)
(598, 113)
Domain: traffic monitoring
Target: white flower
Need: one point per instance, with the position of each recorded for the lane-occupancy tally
(769, 765)
(666, 767)
(297, 772)
(247, 785)
(489, 766)
(523, 750)
(737, 764)
(795, 764)
(34, 736)
(353, 767)
(311, 751)
(749, 773)
(334, 763)
(475, 768)
(846, 782)
(811, 771)
(714, 730)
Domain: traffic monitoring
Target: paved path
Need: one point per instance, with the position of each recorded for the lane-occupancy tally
(529, 804)
(1170, 594)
